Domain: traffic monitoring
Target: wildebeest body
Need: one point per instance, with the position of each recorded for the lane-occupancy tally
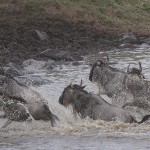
(36, 104)
(122, 87)
(88, 104)
(14, 111)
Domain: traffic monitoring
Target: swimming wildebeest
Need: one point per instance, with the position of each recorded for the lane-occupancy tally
(88, 104)
(37, 105)
(124, 88)
(117, 83)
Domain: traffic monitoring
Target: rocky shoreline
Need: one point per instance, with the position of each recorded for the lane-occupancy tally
(20, 42)
(23, 42)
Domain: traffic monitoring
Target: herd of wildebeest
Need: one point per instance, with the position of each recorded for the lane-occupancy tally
(129, 91)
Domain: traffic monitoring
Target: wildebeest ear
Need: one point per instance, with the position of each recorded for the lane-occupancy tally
(83, 87)
(71, 85)
(140, 67)
(81, 83)
(128, 68)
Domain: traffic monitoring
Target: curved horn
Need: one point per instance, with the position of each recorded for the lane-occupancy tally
(128, 68)
(92, 69)
(107, 57)
(71, 85)
(73, 79)
(140, 67)
(81, 83)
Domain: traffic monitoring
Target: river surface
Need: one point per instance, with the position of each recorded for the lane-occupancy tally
(78, 134)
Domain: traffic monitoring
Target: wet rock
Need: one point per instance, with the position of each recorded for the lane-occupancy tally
(144, 46)
(56, 54)
(41, 35)
(14, 70)
(129, 37)
(145, 40)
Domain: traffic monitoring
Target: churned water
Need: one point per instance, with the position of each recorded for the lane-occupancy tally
(78, 134)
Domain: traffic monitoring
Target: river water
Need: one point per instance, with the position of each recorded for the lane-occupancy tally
(78, 134)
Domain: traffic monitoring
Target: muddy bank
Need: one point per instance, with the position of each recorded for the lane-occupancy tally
(20, 41)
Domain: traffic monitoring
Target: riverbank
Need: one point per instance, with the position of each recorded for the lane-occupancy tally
(82, 27)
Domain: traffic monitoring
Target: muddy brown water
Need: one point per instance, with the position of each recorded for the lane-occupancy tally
(78, 134)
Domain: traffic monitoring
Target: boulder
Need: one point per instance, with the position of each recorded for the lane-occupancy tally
(41, 35)
(129, 37)
(56, 54)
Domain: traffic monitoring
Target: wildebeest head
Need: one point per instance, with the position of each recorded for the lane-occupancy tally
(6, 78)
(9, 85)
(99, 64)
(136, 71)
(68, 95)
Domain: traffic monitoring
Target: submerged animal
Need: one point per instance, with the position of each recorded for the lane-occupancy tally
(88, 104)
(117, 83)
(36, 104)
(125, 89)
(14, 111)
(18, 111)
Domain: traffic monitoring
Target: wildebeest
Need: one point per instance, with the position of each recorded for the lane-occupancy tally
(13, 89)
(14, 111)
(36, 104)
(110, 79)
(88, 104)
(125, 89)
(116, 82)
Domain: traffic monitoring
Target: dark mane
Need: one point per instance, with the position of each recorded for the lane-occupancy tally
(80, 88)
(97, 63)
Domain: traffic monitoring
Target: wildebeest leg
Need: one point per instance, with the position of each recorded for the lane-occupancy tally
(7, 123)
(51, 116)
(99, 92)
(128, 104)
(53, 120)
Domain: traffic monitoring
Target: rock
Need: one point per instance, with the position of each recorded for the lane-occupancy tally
(146, 40)
(60, 55)
(144, 46)
(14, 70)
(41, 35)
(129, 37)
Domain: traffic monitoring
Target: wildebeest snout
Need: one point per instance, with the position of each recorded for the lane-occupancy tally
(61, 100)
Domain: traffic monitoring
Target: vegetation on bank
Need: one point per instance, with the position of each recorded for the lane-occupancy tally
(111, 14)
